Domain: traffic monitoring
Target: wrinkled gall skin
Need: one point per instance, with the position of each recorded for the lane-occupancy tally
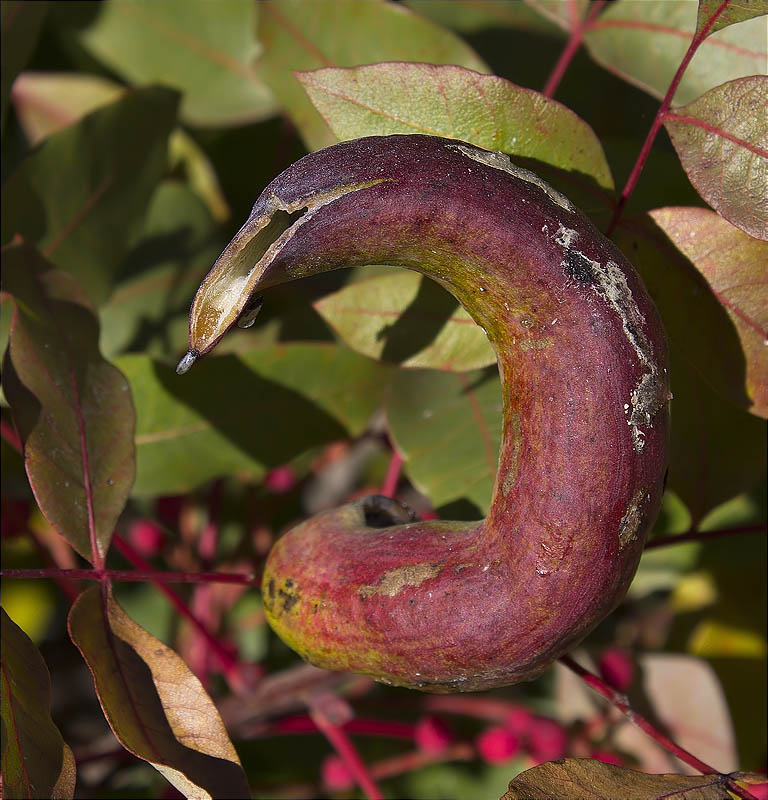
(449, 606)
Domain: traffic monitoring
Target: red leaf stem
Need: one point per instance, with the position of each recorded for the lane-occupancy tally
(343, 746)
(389, 486)
(700, 536)
(132, 576)
(660, 116)
(620, 701)
(571, 48)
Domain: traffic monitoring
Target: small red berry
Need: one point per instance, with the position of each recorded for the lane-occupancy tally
(147, 537)
(280, 480)
(547, 739)
(432, 735)
(336, 775)
(518, 720)
(616, 668)
(497, 744)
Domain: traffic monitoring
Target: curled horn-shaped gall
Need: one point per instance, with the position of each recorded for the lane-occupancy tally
(454, 606)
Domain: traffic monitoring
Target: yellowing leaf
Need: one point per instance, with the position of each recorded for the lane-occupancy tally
(154, 704)
(722, 141)
(713, 639)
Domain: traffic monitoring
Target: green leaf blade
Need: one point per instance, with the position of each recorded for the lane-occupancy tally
(448, 428)
(645, 42)
(722, 142)
(735, 11)
(406, 319)
(457, 103)
(206, 50)
(300, 35)
(246, 413)
(81, 196)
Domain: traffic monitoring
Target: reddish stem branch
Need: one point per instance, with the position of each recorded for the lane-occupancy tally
(132, 576)
(347, 752)
(659, 118)
(620, 702)
(227, 660)
(571, 48)
(389, 486)
(700, 536)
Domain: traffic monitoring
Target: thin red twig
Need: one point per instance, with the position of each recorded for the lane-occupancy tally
(132, 576)
(700, 536)
(228, 662)
(570, 49)
(621, 702)
(392, 478)
(659, 118)
(343, 746)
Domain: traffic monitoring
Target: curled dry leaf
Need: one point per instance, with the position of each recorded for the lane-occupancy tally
(156, 707)
(36, 761)
(722, 141)
(733, 265)
(72, 408)
(587, 779)
(405, 319)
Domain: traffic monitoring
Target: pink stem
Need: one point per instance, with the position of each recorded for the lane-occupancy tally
(389, 486)
(347, 752)
(659, 118)
(700, 536)
(571, 48)
(302, 723)
(620, 701)
(228, 662)
(132, 576)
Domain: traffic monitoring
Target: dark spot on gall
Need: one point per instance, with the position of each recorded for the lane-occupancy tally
(272, 589)
(579, 267)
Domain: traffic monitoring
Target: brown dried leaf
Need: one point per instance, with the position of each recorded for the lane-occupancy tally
(156, 707)
(722, 141)
(587, 779)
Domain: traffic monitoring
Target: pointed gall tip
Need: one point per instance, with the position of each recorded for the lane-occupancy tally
(186, 362)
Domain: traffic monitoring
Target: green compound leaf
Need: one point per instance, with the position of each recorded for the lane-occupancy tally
(156, 707)
(735, 11)
(246, 413)
(447, 425)
(406, 319)
(205, 50)
(457, 103)
(305, 35)
(72, 408)
(36, 761)
(722, 141)
(644, 43)
(81, 196)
